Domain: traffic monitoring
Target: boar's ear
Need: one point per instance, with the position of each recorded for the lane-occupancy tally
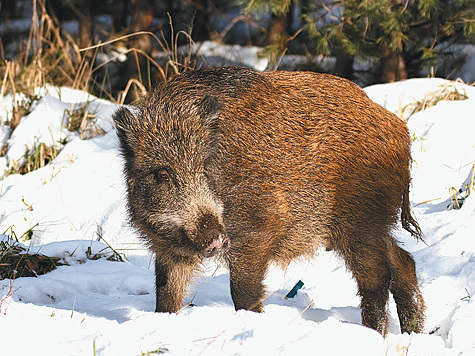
(125, 123)
(210, 109)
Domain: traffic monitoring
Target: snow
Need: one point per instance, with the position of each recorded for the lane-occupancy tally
(75, 206)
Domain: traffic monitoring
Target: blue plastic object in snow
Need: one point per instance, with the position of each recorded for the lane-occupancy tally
(294, 290)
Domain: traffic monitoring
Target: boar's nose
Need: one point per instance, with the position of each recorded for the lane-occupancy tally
(218, 245)
(211, 235)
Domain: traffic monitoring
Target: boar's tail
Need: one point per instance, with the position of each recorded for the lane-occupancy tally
(408, 222)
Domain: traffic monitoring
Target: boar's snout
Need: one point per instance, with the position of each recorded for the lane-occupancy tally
(213, 235)
(217, 245)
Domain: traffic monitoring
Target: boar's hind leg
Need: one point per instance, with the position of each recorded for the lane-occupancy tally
(406, 293)
(171, 281)
(367, 258)
(247, 271)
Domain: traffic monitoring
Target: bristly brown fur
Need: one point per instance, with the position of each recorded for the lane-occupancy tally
(279, 163)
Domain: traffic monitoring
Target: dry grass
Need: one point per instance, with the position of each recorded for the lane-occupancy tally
(176, 61)
(447, 92)
(15, 261)
(83, 121)
(38, 157)
(79, 119)
(49, 55)
(458, 196)
(159, 351)
(108, 252)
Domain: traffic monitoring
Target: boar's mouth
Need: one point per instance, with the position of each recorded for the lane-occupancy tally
(210, 236)
(205, 239)
(205, 242)
(217, 246)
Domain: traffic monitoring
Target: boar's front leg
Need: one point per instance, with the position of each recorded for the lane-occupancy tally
(171, 281)
(247, 266)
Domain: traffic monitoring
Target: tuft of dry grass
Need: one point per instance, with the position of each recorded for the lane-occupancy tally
(83, 121)
(38, 157)
(49, 55)
(79, 119)
(159, 351)
(175, 62)
(108, 252)
(3, 149)
(446, 92)
(458, 196)
(15, 261)
(21, 107)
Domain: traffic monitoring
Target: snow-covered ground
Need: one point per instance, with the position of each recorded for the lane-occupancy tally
(108, 306)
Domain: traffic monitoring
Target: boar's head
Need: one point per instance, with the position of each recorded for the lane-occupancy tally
(169, 146)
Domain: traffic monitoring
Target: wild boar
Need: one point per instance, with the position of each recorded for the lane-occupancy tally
(266, 167)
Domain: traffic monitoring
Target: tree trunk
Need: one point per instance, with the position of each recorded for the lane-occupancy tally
(120, 14)
(393, 66)
(7, 9)
(344, 64)
(200, 21)
(279, 29)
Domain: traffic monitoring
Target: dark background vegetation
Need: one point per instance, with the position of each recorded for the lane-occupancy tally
(117, 48)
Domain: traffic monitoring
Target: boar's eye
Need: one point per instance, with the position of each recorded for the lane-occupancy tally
(162, 176)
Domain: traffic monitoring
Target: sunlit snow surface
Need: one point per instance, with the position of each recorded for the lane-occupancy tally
(109, 305)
